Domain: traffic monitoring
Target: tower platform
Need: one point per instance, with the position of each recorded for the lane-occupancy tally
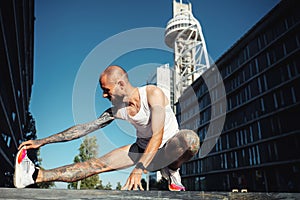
(33, 194)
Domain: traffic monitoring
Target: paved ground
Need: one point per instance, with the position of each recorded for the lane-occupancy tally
(33, 194)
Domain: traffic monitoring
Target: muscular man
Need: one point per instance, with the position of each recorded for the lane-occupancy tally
(160, 145)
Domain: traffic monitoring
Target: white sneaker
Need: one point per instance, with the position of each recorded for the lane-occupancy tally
(24, 169)
(173, 178)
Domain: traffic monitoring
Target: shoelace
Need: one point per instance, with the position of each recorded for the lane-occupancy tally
(26, 165)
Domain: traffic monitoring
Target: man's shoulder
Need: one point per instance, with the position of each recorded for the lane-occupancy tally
(152, 88)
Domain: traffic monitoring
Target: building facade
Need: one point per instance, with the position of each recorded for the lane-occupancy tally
(16, 79)
(163, 78)
(258, 148)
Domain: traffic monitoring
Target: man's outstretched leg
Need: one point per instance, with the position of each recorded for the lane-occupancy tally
(26, 173)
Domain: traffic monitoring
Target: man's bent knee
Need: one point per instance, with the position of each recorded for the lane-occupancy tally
(191, 139)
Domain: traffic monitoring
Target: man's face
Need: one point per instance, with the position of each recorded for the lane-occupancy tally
(111, 90)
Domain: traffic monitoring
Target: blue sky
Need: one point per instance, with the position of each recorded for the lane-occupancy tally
(78, 38)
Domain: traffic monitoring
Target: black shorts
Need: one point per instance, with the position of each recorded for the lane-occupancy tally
(135, 153)
(171, 154)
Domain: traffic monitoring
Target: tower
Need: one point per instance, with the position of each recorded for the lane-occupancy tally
(184, 34)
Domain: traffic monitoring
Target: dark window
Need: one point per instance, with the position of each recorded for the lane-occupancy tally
(279, 28)
(262, 62)
(290, 44)
(253, 47)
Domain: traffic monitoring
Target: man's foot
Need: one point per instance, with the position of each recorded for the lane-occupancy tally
(24, 170)
(173, 178)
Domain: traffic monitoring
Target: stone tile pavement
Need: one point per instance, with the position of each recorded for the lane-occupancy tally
(34, 194)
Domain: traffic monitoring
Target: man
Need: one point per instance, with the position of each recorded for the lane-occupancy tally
(159, 145)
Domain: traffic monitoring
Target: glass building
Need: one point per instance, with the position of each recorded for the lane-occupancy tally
(258, 148)
(16, 79)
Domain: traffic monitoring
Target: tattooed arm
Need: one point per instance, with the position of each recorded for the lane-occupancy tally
(74, 132)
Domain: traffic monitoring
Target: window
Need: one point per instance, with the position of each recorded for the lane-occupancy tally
(237, 97)
(253, 47)
(275, 101)
(13, 116)
(289, 71)
(290, 44)
(275, 150)
(294, 68)
(270, 152)
(293, 95)
(236, 159)
(259, 85)
(274, 77)
(254, 156)
(237, 138)
(243, 158)
(241, 137)
(249, 91)
(279, 28)
(279, 53)
(290, 21)
(8, 141)
(262, 63)
(251, 134)
(228, 70)
(4, 136)
(281, 98)
(225, 161)
(268, 36)
(271, 57)
(250, 156)
(227, 142)
(245, 136)
(262, 105)
(262, 41)
(259, 130)
(265, 82)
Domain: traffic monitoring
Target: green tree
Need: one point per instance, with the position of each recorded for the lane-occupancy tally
(119, 186)
(108, 186)
(87, 150)
(102, 187)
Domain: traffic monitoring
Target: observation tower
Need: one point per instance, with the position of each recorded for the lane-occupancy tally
(184, 34)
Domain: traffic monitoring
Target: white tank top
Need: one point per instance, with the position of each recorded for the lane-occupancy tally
(142, 121)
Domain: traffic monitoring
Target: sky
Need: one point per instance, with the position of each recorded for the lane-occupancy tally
(75, 40)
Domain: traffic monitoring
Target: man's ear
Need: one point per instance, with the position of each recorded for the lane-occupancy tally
(121, 83)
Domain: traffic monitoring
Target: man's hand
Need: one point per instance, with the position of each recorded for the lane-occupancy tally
(134, 180)
(31, 144)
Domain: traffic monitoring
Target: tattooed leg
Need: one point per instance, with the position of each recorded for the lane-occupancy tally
(116, 159)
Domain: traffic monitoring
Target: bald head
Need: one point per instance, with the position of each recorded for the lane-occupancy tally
(115, 84)
(114, 73)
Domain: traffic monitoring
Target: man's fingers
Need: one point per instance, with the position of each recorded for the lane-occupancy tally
(23, 144)
(135, 186)
(125, 186)
(141, 187)
(27, 144)
(133, 183)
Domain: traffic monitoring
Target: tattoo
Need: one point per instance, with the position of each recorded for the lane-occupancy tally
(75, 172)
(81, 130)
